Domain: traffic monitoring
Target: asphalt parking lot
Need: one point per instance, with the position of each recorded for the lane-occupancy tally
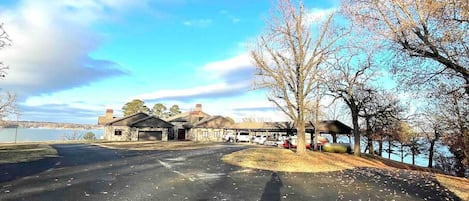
(87, 172)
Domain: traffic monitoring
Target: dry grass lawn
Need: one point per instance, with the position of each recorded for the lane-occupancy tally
(287, 161)
(14, 153)
(156, 145)
(459, 186)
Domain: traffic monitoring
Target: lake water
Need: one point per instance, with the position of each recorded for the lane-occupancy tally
(44, 134)
(420, 160)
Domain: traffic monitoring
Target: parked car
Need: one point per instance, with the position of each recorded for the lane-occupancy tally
(229, 137)
(291, 143)
(270, 143)
(242, 137)
(260, 139)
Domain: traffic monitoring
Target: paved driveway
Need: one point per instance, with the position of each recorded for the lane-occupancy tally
(86, 172)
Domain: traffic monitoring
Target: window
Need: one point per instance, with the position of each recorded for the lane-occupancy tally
(117, 132)
(205, 134)
(217, 134)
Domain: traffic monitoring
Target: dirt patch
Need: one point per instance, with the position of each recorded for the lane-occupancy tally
(14, 153)
(157, 145)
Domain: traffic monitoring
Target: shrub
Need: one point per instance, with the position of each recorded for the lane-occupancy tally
(89, 136)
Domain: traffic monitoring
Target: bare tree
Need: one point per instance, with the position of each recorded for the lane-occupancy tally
(7, 100)
(349, 81)
(335, 111)
(4, 41)
(7, 104)
(381, 110)
(288, 59)
(453, 111)
(430, 38)
(429, 125)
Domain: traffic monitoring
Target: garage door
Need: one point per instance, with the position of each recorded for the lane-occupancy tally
(150, 135)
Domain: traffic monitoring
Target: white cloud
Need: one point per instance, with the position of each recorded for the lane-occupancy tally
(228, 67)
(198, 22)
(51, 43)
(318, 15)
(223, 79)
(200, 91)
(233, 19)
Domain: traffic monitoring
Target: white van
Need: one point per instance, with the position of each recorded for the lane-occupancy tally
(243, 137)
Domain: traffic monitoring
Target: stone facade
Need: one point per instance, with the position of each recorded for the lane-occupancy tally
(210, 129)
(126, 133)
(137, 127)
(207, 134)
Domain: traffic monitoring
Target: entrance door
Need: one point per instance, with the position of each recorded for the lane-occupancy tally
(150, 135)
(181, 134)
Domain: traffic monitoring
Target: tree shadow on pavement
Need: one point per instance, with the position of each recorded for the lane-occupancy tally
(272, 188)
(69, 155)
(408, 183)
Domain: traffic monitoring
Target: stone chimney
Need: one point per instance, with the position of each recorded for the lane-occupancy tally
(198, 107)
(109, 114)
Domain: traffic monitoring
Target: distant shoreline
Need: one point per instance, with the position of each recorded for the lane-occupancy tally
(47, 125)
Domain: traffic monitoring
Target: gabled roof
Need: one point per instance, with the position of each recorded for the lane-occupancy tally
(334, 127)
(207, 119)
(214, 122)
(128, 120)
(179, 119)
(153, 122)
(140, 120)
(191, 117)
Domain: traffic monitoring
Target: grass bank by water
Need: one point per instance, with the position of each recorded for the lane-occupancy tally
(14, 153)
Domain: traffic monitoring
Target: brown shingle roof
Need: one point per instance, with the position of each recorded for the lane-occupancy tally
(214, 122)
(140, 120)
(128, 120)
(153, 122)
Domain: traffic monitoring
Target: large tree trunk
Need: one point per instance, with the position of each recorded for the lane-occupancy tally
(301, 146)
(380, 147)
(334, 138)
(459, 165)
(402, 153)
(371, 149)
(430, 153)
(356, 130)
(389, 148)
(314, 141)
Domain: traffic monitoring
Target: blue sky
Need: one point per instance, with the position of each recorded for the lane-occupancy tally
(71, 60)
